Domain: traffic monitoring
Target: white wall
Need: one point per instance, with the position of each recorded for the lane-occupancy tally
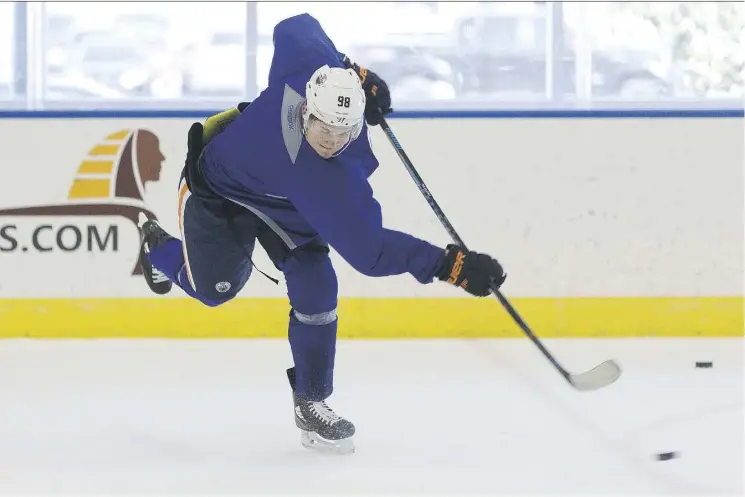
(572, 207)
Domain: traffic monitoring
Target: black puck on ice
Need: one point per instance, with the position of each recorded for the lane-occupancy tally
(704, 364)
(666, 456)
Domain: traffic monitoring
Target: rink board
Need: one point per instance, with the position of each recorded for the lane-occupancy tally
(608, 225)
(361, 318)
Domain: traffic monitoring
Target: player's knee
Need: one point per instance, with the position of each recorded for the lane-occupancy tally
(219, 293)
(214, 302)
(312, 286)
(215, 293)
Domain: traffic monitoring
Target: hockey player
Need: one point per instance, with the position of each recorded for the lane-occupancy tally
(291, 170)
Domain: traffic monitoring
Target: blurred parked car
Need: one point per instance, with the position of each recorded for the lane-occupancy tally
(143, 67)
(78, 87)
(217, 65)
(505, 55)
(412, 72)
(502, 53)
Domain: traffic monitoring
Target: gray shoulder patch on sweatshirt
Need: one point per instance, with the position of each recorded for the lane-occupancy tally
(291, 124)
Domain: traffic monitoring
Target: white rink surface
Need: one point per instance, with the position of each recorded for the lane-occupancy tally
(433, 417)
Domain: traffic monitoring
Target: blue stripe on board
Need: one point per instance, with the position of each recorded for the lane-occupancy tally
(444, 114)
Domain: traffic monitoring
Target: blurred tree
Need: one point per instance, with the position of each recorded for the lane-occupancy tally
(705, 40)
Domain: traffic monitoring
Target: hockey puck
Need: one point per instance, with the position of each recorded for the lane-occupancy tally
(666, 456)
(704, 365)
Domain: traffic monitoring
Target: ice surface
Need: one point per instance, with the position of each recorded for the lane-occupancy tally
(433, 417)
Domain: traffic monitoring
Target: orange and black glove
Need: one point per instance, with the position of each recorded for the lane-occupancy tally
(377, 94)
(475, 273)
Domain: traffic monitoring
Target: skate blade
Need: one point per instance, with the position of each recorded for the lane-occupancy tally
(313, 441)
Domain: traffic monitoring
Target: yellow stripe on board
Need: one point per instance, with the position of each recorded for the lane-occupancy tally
(119, 135)
(372, 318)
(104, 150)
(96, 167)
(89, 188)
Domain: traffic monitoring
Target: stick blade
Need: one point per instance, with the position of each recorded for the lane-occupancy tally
(598, 377)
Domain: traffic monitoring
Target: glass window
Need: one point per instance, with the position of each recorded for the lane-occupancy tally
(431, 54)
(661, 50)
(434, 55)
(144, 51)
(7, 80)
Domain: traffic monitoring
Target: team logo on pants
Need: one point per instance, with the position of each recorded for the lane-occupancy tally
(223, 286)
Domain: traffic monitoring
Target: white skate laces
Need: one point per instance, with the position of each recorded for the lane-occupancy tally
(323, 412)
(159, 276)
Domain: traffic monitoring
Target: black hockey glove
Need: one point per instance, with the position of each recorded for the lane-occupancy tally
(474, 272)
(377, 94)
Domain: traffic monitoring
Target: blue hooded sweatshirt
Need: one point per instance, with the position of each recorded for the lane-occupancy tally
(263, 162)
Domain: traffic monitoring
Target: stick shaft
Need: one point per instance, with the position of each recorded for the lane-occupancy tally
(457, 240)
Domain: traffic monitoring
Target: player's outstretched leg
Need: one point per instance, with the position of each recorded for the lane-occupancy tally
(320, 427)
(153, 236)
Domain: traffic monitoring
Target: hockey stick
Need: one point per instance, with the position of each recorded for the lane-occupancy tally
(598, 377)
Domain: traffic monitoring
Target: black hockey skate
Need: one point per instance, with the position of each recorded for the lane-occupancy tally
(152, 235)
(321, 428)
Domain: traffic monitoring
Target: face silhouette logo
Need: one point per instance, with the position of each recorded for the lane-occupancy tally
(149, 157)
(110, 180)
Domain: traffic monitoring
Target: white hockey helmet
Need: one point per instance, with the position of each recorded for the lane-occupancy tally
(335, 106)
